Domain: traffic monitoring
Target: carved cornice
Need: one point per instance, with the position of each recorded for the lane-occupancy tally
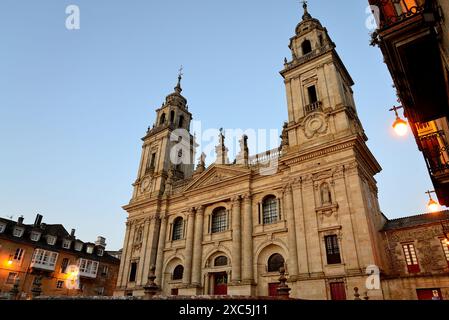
(320, 153)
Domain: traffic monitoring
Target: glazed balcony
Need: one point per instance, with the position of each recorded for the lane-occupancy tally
(393, 12)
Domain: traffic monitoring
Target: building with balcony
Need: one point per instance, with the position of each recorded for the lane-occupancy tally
(64, 265)
(414, 38)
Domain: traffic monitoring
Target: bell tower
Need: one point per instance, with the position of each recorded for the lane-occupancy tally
(320, 99)
(168, 147)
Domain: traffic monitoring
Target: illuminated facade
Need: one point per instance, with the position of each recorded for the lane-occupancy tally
(64, 265)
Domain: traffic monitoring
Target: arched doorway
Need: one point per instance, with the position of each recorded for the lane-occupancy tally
(218, 268)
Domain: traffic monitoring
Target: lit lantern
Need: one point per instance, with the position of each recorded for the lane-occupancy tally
(433, 206)
(400, 126)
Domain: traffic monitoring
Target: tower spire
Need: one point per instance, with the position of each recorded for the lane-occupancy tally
(306, 14)
(178, 88)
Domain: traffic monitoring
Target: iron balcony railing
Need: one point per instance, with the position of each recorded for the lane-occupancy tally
(315, 106)
(392, 12)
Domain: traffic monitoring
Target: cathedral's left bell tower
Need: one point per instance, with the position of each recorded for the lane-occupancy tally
(168, 148)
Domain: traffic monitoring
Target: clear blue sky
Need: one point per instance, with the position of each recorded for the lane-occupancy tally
(74, 104)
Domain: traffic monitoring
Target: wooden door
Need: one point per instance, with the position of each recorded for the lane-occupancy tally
(273, 289)
(174, 292)
(338, 291)
(221, 284)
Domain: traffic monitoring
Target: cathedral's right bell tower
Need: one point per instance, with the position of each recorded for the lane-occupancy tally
(320, 100)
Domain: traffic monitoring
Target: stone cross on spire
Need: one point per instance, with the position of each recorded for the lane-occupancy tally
(178, 88)
(306, 14)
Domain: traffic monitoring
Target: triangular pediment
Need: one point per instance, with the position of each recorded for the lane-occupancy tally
(217, 174)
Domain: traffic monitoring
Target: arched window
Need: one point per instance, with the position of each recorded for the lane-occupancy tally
(181, 121)
(162, 121)
(221, 261)
(306, 47)
(326, 196)
(172, 116)
(178, 273)
(178, 227)
(219, 220)
(270, 210)
(275, 262)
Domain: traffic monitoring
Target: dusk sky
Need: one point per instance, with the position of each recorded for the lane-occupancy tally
(74, 104)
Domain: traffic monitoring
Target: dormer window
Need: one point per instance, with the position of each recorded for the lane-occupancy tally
(35, 236)
(2, 227)
(18, 232)
(51, 240)
(90, 249)
(66, 244)
(100, 252)
(78, 246)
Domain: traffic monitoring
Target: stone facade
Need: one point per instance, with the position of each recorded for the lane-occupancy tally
(430, 269)
(320, 188)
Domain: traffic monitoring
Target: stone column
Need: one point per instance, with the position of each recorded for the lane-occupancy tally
(247, 245)
(236, 241)
(292, 246)
(120, 281)
(143, 257)
(128, 254)
(160, 250)
(189, 248)
(198, 247)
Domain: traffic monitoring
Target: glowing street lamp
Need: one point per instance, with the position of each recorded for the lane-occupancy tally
(433, 205)
(400, 126)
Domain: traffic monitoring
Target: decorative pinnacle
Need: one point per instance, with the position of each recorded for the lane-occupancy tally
(306, 14)
(178, 88)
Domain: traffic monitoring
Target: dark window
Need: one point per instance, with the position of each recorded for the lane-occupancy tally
(306, 47)
(153, 160)
(219, 220)
(18, 254)
(181, 121)
(174, 292)
(221, 261)
(411, 258)
(270, 210)
(178, 273)
(313, 97)
(162, 121)
(275, 262)
(59, 284)
(172, 116)
(133, 272)
(178, 227)
(64, 265)
(332, 250)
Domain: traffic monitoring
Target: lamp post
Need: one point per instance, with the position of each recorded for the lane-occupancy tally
(433, 205)
(400, 126)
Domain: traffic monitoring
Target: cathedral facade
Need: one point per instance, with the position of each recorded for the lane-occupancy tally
(228, 228)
